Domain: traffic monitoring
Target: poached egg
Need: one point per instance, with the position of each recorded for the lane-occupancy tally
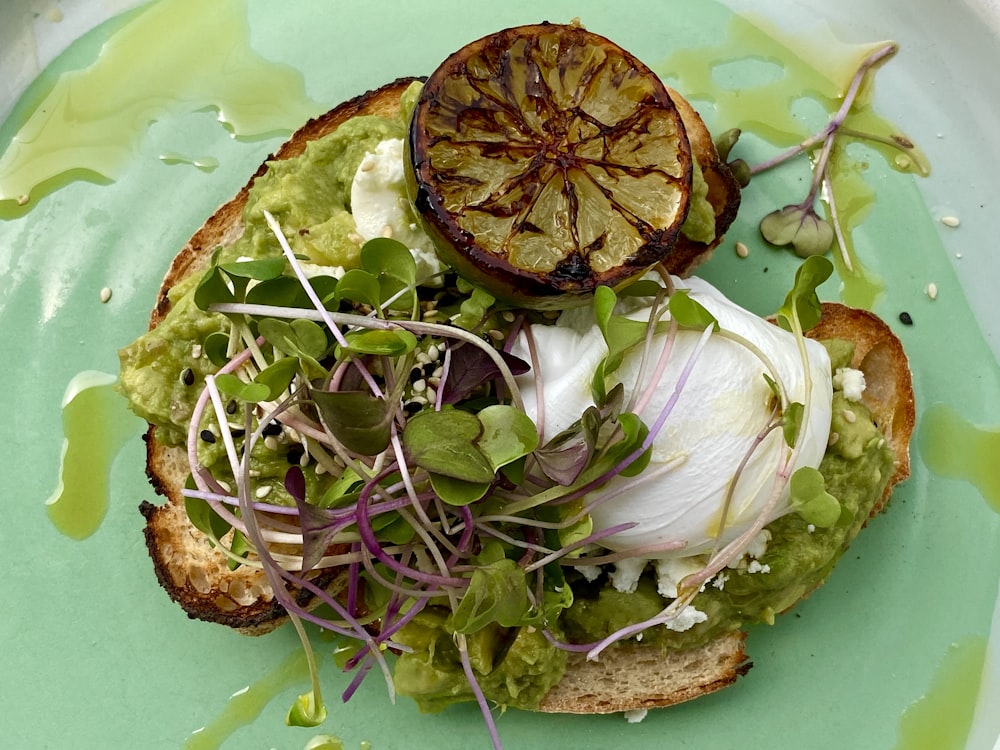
(676, 503)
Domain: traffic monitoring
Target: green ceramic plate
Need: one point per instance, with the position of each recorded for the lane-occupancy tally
(95, 656)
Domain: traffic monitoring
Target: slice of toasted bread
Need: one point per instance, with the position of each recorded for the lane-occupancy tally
(197, 577)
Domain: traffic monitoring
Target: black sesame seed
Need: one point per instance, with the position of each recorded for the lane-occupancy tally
(271, 429)
(295, 453)
(208, 436)
(187, 376)
(238, 433)
(429, 368)
(232, 406)
(906, 319)
(411, 407)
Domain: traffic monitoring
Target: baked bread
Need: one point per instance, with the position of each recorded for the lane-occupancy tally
(197, 577)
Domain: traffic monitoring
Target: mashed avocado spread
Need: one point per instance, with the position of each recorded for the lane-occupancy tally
(163, 372)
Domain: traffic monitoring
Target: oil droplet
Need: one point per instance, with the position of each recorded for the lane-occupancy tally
(942, 718)
(204, 163)
(172, 57)
(246, 705)
(97, 426)
(953, 447)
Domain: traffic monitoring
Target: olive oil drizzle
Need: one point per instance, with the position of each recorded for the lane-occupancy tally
(97, 426)
(246, 705)
(942, 718)
(91, 122)
(953, 447)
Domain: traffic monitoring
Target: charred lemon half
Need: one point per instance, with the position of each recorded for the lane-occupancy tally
(545, 160)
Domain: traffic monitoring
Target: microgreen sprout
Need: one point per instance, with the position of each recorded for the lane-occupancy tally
(799, 225)
(393, 455)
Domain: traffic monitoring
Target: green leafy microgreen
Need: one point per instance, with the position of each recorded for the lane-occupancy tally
(391, 343)
(300, 338)
(799, 226)
(278, 376)
(474, 309)
(811, 500)
(497, 593)
(690, 313)
(212, 289)
(232, 385)
(358, 285)
(635, 432)
(256, 270)
(444, 442)
(458, 492)
(392, 264)
(361, 421)
(640, 288)
(216, 348)
(240, 547)
(802, 302)
(507, 434)
(620, 334)
(306, 711)
(791, 422)
(204, 518)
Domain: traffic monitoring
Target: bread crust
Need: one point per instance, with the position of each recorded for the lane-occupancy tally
(197, 577)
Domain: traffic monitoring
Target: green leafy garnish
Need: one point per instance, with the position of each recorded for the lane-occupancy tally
(811, 500)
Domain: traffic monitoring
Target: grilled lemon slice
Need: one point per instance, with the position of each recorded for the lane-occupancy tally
(545, 160)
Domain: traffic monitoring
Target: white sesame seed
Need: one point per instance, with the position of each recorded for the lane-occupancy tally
(932, 290)
(263, 491)
(356, 238)
(950, 221)
(834, 437)
(742, 250)
(419, 385)
(367, 165)
(106, 294)
(431, 396)
(271, 443)
(387, 231)
(433, 353)
(22, 200)
(849, 416)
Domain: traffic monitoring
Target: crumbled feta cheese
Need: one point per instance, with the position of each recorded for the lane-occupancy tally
(670, 572)
(625, 576)
(811, 528)
(756, 567)
(636, 715)
(686, 619)
(758, 546)
(720, 580)
(381, 209)
(850, 381)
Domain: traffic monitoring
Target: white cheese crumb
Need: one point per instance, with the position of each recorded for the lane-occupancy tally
(851, 382)
(756, 567)
(670, 572)
(758, 546)
(811, 528)
(636, 715)
(720, 580)
(686, 619)
(590, 572)
(625, 576)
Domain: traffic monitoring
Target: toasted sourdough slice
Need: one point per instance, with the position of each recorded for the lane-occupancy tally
(194, 573)
(642, 677)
